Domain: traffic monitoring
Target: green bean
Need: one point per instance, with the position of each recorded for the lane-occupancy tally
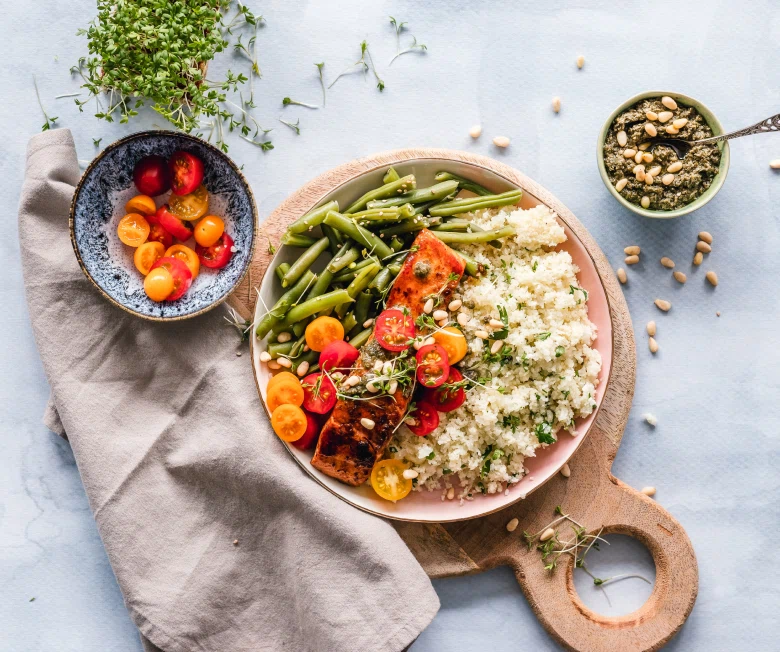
(377, 214)
(358, 233)
(405, 211)
(396, 244)
(363, 279)
(363, 304)
(281, 270)
(297, 348)
(419, 209)
(421, 195)
(408, 226)
(464, 226)
(457, 206)
(473, 268)
(313, 306)
(305, 260)
(349, 322)
(333, 236)
(395, 269)
(311, 357)
(381, 280)
(350, 273)
(470, 238)
(284, 303)
(347, 254)
(387, 190)
(361, 338)
(465, 184)
(299, 328)
(277, 349)
(390, 176)
(312, 218)
(297, 240)
(322, 284)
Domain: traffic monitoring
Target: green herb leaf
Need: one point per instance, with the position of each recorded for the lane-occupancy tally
(559, 351)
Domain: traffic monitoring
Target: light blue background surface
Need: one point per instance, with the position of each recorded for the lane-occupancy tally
(713, 385)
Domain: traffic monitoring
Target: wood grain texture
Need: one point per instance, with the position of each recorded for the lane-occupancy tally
(592, 494)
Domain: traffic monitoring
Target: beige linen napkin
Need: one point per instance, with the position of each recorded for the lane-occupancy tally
(179, 463)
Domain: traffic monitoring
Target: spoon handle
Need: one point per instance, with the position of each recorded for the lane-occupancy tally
(763, 127)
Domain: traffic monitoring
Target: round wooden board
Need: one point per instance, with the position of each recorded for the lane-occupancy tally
(592, 494)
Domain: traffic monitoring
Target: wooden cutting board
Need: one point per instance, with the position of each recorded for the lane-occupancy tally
(592, 494)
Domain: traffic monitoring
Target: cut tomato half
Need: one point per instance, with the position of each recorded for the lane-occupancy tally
(387, 479)
(424, 419)
(394, 330)
(311, 435)
(338, 355)
(182, 277)
(433, 365)
(186, 172)
(319, 393)
(190, 207)
(177, 228)
(217, 255)
(450, 395)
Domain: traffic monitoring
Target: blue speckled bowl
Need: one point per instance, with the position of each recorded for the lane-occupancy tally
(99, 199)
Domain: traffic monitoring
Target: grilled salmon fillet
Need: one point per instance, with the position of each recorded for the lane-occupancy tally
(346, 450)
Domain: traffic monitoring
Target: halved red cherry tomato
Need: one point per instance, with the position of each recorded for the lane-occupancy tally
(182, 276)
(217, 255)
(151, 176)
(179, 229)
(425, 419)
(157, 233)
(394, 329)
(447, 398)
(433, 365)
(186, 172)
(319, 393)
(338, 355)
(311, 435)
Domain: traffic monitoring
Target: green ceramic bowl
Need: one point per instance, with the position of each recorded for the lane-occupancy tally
(697, 203)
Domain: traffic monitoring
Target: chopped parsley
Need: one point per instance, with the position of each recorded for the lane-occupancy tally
(544, 433)
(559, 351)
(542, 336)
(503, 333)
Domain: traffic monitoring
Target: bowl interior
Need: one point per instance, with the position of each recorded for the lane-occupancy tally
(98, 205)
(427, 506)
(702, 199)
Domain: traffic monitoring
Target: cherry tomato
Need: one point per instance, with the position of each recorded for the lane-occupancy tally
(433, 365)
(151, 176)
(187, 256)
(217, 255)
(319, 393)
(158, 284)
(142, 204)
(147, 255)
(172, 224)
(209, 230)
(289, 422)
(387, 479)
(311, 435)
(186, 172)
(157, 233)
(453, 341)
(190, 207)
(394, 329)
(338, 355)
(322, 331)
(425, 419)
(447, 398)
(281, 376)
(133, 229)
(182, 277)
(285, 392)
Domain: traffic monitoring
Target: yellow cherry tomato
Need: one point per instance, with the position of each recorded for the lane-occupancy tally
(147, 255)
(387, 479)
(187, 256)
(322, 331)
(285, 392)
(158, 284)
(289, 422)
(282, 375)
(190, 207)
(209, 230)
(133, 229)
(142, 204)
(454, 343)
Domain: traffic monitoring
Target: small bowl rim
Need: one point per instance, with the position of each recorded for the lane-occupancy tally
(702, 199)
(167, 134)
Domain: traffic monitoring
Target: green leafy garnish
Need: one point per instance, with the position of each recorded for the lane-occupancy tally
(503, 333)
(544, 433)
(415, 46)
(559, 351)
(542, 336)
(293, 125)
(49, 121)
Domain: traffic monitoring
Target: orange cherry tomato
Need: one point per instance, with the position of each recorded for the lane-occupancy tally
(209, 230)
(147, 255)
(133, 229)
(285, 392)
(322, 331)
(289, 422)
(187, 256)
(158, 284)
(282, 375)
(453, 341)
(142, 204)
(182, 277)
(387, 479)
(190, 207)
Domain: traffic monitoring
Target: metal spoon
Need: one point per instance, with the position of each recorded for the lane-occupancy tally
(682, 147)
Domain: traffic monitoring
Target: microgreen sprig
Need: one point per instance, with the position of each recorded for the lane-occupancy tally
(295, 126)
(360, 64)
(320, 66)
(49, 121)
(413, 47)
(290, 102)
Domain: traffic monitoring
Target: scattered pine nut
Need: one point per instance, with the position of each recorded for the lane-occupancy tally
(497, 346)
(622, 138)
(549, 533)
(650, 418)
(653, 345)
(455, 305)
(512, 525)
(621, 274)
(640, 173)
(665, 116)
(463, 318)
(632, 250)
(410, 474)
(621, 184)
(284, 362)
(671, 129)
(450, 493)
(706, 236)
(640, 156)
(669, 103)
(642, 146)
(712, 277)
(703, 247)
(368, 424)
(495, 323)
(235, 542)
(655, 171)
(775, 164)
(674, 167)
(238, 354)
(667, 179)
(556, 104)
(273, 364)
(428, 307)
(680, 123)
(645, 202)
(649, 179)
(265, 356)
(632, 260)
(647, 157)
(680, 277)
(302, 369)
(476, 131)
(651, 115)
(629, 153)
(651, 130)
(651, 328)
(648, 491)
(565, 471)
(440, 314)
(283, 337)
(717, 314)
(667, 262)
(698, 258)
(580, 61)
(501, 141)
(483, 335)
(663, 304)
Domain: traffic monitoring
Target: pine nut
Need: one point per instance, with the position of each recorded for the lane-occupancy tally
(675, 167)
(632, 250)
(706, 236)
(680, 123)
(667, 179)
(378, 367)
(428, 341)
(649, 179)
(651, 328)
(428, 307)
(368, 424)
(667, 262)
(440, 314)
(556, 104)
(580, 61)
(703, 247)
(629, 153)
(651, 115)
(265, 356)
(671, 129)
(565, 471)
(640, 175)
(621, 184)
(283, 337)
(669, 103)
(775, 164)
(639, 157)
(392, 387)
(512, 525)
(655, 170)
(302, 368)
(650, 418)
(306, 348)
(643, 146)
(368, 323)
(273, 364)
(450, 493)
(665, 116)
(372, 386)
(284, 362)
(497, 346)
(501, 141)
(712, 277)
(648, 491)
(455, 305)
(662, 304)
(475, 131)
(352, 381)
(621, 274)
(483, 335)
(410, 474)
(549, 533)
(698, 258)
(652, 345)
(680, 277)
(651, 130)
(638, 168)
(647, 157)
(645, 202)
(622, 138)
(632, 260)
(463, 318)
(495, 323)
